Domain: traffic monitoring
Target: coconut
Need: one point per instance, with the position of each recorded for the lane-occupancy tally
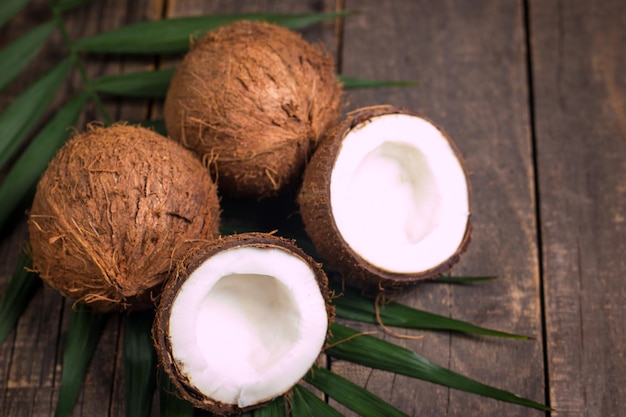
(386, 198)
(253, 99)
(242, 322)
(114, 210)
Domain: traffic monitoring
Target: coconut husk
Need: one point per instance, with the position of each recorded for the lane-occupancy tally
(316, 211)
(160, 330)
(114, 211)
(253, 99)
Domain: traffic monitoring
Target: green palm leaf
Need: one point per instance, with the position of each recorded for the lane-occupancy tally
(445, 279)
(354, 83)
(24, 174)
(354, 307)
(354, 397)
(157, 125)
(170, 405)
(154, 84)
(349, 345)
(22, 115)
(172, 35)
(22, 286)
(64, 5)
(85, 329)
(139, 364)
(15, 56)
(306, 404)
(276, 408)
(142, 84)
(9, 8)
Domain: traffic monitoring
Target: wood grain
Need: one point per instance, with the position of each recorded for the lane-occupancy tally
(579, 69)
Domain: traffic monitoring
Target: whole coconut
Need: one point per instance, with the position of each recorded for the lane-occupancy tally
(253, 99)
(116, 208)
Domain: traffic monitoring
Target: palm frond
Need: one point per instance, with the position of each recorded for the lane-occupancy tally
(21, 180)
(16, 56)
(139, 364)
(306, 404)
(9, 8)
(26, 110)
(349, 345)
(352, 306)
(22, 286)
(85, 329)
(351, 395)
(172, 35)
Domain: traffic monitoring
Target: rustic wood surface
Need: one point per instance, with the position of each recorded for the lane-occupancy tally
(534, 94)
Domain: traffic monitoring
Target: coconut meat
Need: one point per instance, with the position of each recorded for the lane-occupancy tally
(248, 324)
(399, 194)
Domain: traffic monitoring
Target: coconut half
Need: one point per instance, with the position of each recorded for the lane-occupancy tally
(386, 198)
(242, 322)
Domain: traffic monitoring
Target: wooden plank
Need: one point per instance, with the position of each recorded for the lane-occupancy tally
(579, 69)
(470, 63)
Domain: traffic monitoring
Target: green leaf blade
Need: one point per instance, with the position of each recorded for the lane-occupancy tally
(275, 408)
(21, 289)
(64, 5)
(354, 397)
(141, 84)
(15, 57)
(349, 345)
(173, 35)
(22, 115)
(350, 83)
(170, 405)
(444, 279)
(85, 329)
(154, 84)
(10, 9)
(351, 306)
(139, 364)
(306, 404)
(21, 180)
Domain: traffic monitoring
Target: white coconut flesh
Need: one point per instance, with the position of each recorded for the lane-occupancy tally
(248, 324)
(399, 194)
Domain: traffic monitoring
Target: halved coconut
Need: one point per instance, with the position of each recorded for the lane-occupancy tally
(386, 198)
(242, 322)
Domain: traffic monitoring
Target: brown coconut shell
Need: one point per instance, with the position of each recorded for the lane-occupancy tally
(253, 99)
(317, 216)
(160, 333)
(115, 209)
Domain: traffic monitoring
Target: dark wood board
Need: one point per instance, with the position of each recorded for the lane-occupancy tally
(579, 78)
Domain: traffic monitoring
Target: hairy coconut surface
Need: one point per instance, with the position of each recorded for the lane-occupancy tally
(253, 99)
(242, 322)
(114, 211)
(386, 198)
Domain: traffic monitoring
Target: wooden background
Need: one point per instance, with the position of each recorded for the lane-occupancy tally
(534, 93)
